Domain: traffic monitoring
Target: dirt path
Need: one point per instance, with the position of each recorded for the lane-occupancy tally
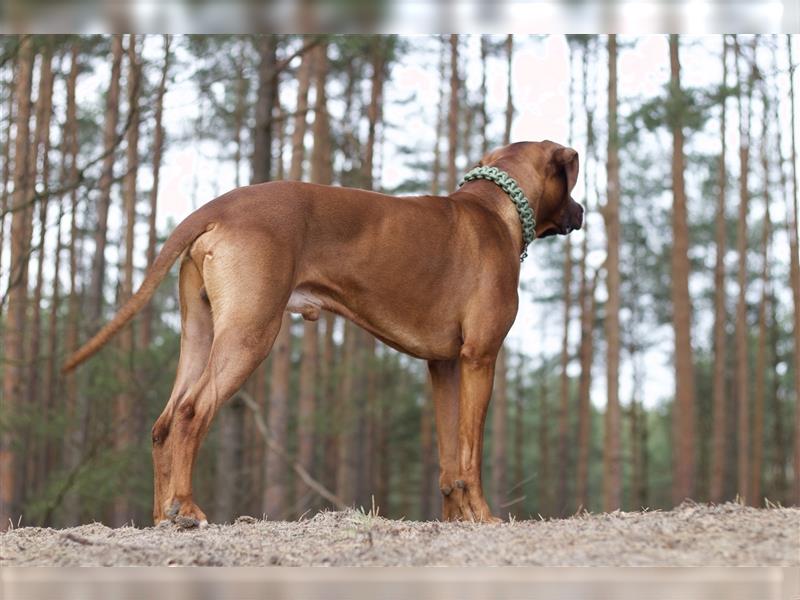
(692, 534)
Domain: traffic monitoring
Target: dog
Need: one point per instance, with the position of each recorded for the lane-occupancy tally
(435, 277)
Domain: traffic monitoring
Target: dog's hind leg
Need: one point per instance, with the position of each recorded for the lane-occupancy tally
(444, 380)
(197, 332)
(247, 305)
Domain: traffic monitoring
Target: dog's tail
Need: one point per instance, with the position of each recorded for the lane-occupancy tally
(189, 229)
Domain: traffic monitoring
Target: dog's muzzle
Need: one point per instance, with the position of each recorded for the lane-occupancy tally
(574, 219)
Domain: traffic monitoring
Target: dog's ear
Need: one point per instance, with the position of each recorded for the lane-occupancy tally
(568, 159)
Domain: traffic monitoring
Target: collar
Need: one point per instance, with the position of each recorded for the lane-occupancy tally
(507, 183)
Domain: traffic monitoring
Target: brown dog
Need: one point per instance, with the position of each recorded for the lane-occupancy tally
(433, 276)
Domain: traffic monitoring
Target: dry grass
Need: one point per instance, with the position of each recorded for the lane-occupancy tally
(692, 534)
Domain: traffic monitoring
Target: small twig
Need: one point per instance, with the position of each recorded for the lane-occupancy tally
(514, 501)
(521, 483)
(74, 537)
(280, 451)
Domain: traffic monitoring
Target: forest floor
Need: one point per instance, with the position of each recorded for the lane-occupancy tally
(690, 535)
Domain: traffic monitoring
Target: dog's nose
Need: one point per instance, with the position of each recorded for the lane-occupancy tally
(577, 222)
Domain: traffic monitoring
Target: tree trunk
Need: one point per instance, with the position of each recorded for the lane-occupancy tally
(509, 96)
(50, 458)
(345, 471)
(125, 414)
(563, 412)
(588, 317)
(385, 471)
(437, 149)
(320, 173)
(452, 149)
(781, 455)
(329, 380)
(756, 497)
(95, 294)
(261, 171)
(426, 414)
(368, 372)
(428, 453)
(638, 419)
(14, 334)
(229, 454)
(158, 148)
(342, 472)
(301, 118)
(75, 409)
(276, 495)
(782, 493)
(719, 419)
(276, 483)
(483, 94)
(587, 306)
(612, 476)
(44, 109)
(374, 108)
(519, 436)
(51, 377)
(7, 143)
(683, 418)
(545, 500)
(240, 112)
(499, 482)
(267, 94)
(791, 223)
(234, 457)
(742, 371)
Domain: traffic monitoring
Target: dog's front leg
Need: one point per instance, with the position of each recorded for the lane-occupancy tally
(476, 378)
(444, 381)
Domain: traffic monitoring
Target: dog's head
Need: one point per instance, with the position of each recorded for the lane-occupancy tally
(547, 172)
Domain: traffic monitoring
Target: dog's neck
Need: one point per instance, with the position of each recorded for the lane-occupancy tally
(495, 199)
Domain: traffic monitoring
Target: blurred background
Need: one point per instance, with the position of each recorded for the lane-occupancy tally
(403, 16)
(655, 354)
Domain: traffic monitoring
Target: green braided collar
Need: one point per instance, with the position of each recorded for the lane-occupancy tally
(507, 183)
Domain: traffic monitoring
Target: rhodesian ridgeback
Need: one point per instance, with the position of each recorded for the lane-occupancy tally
(435, 277)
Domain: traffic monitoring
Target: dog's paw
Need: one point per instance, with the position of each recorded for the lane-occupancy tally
(188, 522)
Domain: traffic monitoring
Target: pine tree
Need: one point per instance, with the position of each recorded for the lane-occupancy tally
(14, 334)
(742, 367)
(763, 311)
(563, 411)
(158, 149)
(7, 143)
(40, 154)
(95, 293)
(586, 299)
(276, 494)
(719, 418)
(320, 173)
(125, 421)
(791, 223)
(76, 408)
(499, 480)
(452, 148)
(684, 407)
(612, 476)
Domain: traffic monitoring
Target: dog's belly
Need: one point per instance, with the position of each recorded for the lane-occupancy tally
(431, 341)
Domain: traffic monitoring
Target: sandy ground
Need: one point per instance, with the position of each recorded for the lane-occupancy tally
(690, 535)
